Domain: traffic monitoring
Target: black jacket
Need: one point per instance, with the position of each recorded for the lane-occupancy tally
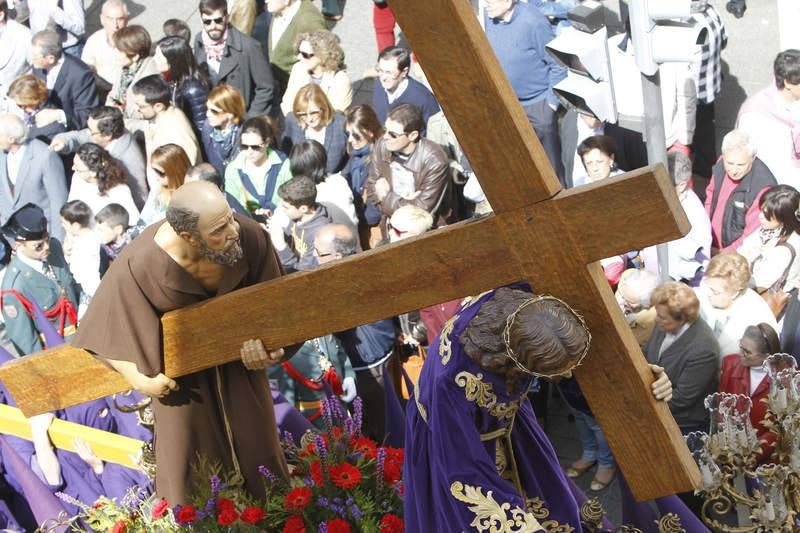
(742, 198)
(74, 91)
(191, 97)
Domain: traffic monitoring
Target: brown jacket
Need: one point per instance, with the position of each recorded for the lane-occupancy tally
(428, 163)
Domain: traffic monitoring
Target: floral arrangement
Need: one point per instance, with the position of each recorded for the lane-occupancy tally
(340, 482)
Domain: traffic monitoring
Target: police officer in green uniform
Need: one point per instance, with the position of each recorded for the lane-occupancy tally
(37, 273)
(319, 364)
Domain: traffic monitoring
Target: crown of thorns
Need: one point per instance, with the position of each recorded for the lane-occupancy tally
(510, 322)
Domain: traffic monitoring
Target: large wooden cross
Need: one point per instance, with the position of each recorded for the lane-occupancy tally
(539, 233)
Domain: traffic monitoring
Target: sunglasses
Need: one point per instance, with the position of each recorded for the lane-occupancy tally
(394, 135)
(306, 55)
(310, 113)
(252, 146)
(209, 22)
(355, 135)
(215, 111)
(159, 171)
(39, 246)
(397, 232)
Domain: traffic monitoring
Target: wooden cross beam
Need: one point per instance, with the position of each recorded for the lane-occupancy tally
(539, 233)
(109, 447)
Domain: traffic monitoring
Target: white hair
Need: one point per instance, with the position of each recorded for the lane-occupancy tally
(13, 127)
(417, 218)
(736, 140)
(120, 3)
(641, 282)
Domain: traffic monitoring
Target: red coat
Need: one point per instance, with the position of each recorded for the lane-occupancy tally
(735, 379)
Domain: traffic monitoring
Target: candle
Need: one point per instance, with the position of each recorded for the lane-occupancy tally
(782, 400)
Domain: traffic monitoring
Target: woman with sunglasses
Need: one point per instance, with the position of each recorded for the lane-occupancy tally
(169, 164)
(363, 131)
(29, 93)
(177, 65)
(220, 131)
(98, 179)
(742, 373)
(320, 60)
(253, 177)
(313, 117)
(133, 44)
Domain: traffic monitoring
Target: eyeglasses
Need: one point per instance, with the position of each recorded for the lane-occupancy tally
(215, 111)
(306, 55)
(744, 350)
(320, 254)
(395, 135)
(256, 147)
(309, 114)
(159, 171)
(355, 135)
(209, 22)
(389, 73)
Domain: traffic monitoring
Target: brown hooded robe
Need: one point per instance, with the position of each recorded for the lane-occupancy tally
(224, 413)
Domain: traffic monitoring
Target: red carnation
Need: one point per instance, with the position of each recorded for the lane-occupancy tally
(159, 509)
(336, 431)
(338, 525)
(224, 504)
(186, 515)
(308, 451)
(227, 517)
(391, 524)
(295, 524)
(392, 472)
(345, 476)
(366, 446)
(316, 473)
(253, 515)
(120, 526)
(395, 455)
(297, 499)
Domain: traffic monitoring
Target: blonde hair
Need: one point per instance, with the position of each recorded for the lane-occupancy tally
(313, 93)
(173, 159)
(731, 267)
(326, 47)
(28, 90)
(229, 100)
(680, 299)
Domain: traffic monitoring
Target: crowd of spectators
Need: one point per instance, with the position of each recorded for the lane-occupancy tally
(97, 131)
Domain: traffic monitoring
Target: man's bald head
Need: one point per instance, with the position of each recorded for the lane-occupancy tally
(333, 242)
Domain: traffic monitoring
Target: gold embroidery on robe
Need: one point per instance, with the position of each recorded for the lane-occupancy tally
(492, 516)
(421, 408)
(445, 342)
(481, 393)
(536, 507)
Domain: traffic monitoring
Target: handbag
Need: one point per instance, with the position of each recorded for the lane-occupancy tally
(775, 296)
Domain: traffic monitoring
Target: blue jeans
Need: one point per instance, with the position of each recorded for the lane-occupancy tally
(595, 445)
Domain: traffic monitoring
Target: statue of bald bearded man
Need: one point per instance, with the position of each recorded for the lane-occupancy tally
(225, 413)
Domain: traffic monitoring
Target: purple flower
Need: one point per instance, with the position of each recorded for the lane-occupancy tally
(380, 459)
(322, 449)
(358, 414)
(323, 527)
(322, 501)
(269, 476)
(326, 414)
(215, 485)
(211, 504)
(349, 427)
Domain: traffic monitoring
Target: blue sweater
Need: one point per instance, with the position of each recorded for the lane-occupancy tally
(519, 46)
(415, 93)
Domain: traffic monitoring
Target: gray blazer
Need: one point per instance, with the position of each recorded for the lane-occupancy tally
(40, 181)
(125, 150)
(692, 364)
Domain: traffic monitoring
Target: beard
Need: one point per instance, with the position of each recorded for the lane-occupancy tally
(226, 257)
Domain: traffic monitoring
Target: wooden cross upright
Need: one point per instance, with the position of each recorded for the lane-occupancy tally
(539, 233)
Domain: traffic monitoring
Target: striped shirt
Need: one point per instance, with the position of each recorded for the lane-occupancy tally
(707, 70)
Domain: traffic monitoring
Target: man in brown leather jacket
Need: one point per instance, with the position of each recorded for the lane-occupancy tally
(409, 170)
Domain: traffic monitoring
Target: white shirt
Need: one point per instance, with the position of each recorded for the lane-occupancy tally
(70, 17)
(768, 261)
(88, 192)
(314, 135)
(397, 92)
(682, 253)
(281, 22)
(13, 160)
(584, 132)
(101, 55)
(757, 375)
(84, 261)
(670, 338)
(336, 191)
(773, 142)
(52, 74)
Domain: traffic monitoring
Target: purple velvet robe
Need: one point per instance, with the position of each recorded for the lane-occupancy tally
(452, 477)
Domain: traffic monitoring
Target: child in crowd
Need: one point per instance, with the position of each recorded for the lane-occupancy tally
(113, 230)
(81, 249)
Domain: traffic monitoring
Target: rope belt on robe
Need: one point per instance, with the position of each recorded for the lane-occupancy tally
(505, 434)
